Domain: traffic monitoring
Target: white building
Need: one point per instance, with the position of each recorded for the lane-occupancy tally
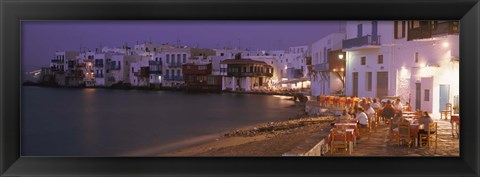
(100, 61)
(326, 78)
(174, 58)
(139, 72)
(156, 69)
(60, 65)
(118, 69)
(415, 60)
(242, 74)
(293, 67)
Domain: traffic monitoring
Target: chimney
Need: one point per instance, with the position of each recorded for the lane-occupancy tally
(238, 56)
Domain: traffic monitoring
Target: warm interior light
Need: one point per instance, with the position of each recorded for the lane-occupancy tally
(340, 56)
(342, 69)
(445, 44)
(334, 70)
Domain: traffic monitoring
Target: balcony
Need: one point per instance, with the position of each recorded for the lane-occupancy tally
(429, 30)
(155, 72)
(57, 61)
(175, 78)
(178, 78)
(98, 65)
(98, 75)
(367, 41)
(158, 63)
(175, 65)
(444, 28)
(321, 67)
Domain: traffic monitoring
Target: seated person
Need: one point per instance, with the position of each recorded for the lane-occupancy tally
(425, 120)
(397, 119)
(388, 111)
(369, 110)
(343, 118)
(375, 104)
(361, 118)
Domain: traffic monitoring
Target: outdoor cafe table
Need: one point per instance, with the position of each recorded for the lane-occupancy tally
(408, 114)
(344, 125)
(415, 127)
(351, 138)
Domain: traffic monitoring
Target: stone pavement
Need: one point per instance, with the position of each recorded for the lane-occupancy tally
(380, 144)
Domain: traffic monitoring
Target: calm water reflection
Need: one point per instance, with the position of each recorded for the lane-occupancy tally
(102, 122)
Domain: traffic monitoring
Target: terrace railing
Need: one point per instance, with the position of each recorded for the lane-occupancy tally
(362, 41)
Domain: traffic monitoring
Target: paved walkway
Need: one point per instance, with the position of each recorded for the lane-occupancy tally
(380, 144)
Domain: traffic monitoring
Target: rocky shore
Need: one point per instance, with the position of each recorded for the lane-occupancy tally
(268, 139)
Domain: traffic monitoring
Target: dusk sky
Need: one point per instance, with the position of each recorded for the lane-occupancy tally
(40, 39)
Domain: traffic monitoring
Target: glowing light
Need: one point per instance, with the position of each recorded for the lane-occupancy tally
(334, 70)
(340, 56)
(342, 69)
(445, 44)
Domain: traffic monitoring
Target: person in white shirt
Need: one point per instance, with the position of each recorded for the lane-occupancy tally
(370, 111)
(362, 117)
(375, 104)
(398, 105)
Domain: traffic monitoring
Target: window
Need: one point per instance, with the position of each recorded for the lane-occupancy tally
(184, 58)
(178, 58)
(167, 72)
(416, 57)
(359, 30)
(427, 95)
(363, 60)
(380, 59)
(222, 54)
(369, 81)
(168, 58)
(173, 58)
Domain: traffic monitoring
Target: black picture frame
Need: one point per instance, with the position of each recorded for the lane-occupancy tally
(13, 12)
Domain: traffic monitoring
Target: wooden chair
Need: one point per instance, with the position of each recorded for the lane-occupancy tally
(339, 141)
(447, 111)
(430, 137)
(365, 131)
(404, 133)
(372, 124)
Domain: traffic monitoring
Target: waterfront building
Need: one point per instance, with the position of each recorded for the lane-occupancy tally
(199, 77)
(100, 61)
(118, 69)
(86, 58)
(270, 60)
(293, 67)
(327, 73)
(139, 72)
(156, 70)
(415, 60)
(241, 74)
(174, 58)
(60, 65)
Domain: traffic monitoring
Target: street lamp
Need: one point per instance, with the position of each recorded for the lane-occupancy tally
(340, 56)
